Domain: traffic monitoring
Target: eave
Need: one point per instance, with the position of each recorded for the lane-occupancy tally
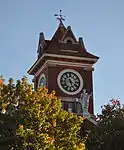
(47, 56)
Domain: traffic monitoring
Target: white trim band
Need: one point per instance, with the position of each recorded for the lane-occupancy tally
(62, 56)
(54, 62)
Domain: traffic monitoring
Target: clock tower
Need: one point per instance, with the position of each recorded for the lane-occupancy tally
(63, 64)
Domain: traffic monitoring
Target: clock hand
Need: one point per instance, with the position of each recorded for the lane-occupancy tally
(72, 81)
(68, 82)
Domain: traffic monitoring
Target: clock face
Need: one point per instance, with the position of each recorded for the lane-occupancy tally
(70, 81)
(42, 81)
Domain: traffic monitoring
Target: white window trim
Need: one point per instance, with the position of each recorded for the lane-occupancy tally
(69, 38)
(42, 75)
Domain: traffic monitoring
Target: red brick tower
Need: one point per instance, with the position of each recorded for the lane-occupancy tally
(64, 65)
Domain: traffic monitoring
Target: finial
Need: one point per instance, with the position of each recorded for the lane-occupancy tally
(60, 17)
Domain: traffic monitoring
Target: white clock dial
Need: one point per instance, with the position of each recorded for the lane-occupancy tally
(42, 81)
(70, 81)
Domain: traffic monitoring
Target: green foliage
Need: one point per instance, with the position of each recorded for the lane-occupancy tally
(109, 133)
(33, 119)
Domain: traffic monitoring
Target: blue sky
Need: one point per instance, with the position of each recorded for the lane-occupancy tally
(100, 23)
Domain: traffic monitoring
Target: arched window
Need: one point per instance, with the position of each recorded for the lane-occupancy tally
(69, 42)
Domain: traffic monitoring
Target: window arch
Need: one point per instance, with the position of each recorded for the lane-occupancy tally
(69, 40)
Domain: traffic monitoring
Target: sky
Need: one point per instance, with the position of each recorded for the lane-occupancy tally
(99, 22)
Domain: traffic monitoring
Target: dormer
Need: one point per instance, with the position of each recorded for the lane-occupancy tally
(69, 40)
(68, 37)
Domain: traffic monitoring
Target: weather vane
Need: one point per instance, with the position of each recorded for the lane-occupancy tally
(60, 17)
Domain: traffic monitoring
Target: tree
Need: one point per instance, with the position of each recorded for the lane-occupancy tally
(109, 133)
(8, 114)
(36, 119)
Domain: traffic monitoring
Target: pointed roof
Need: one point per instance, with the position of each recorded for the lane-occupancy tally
(58, 43)
(58, 46)
(59, 32)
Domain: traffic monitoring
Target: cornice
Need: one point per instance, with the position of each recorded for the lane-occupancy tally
(63, 63)
(60, 56)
